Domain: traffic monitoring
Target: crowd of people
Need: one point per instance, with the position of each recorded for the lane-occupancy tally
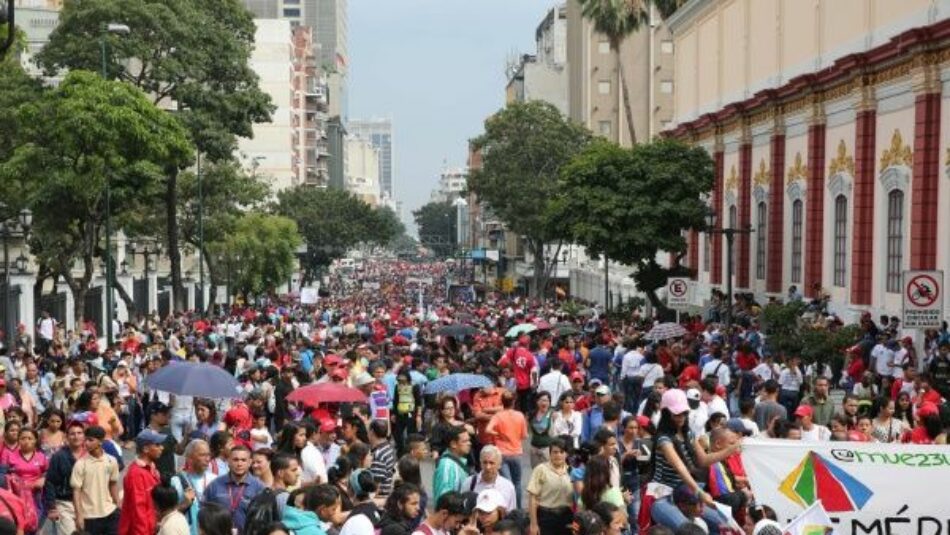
(586, 426)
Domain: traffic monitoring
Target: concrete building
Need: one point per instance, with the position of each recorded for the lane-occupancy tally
(336, 145)
(543, 75)
(36, 19)
(452, 183)
(361, 169)
(379, 132)
(270, 153)
(828, 127)
(310, 147)
(594, 89)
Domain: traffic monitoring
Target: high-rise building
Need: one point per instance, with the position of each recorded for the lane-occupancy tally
(452, 183)
(379, 132)
(594, 89)
(543, 75)
(361, 169)
(311, 151)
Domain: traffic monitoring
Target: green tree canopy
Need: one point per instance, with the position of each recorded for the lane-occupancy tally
(523, 150)
(332, 221)
(634, 203)
(72, 141)
(437, 224)
(266, 245)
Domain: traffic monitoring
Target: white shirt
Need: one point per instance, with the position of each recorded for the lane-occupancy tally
(651, 374)
(717, 405)
(630, 363)
(765, 371)
(751, 426)
(790, 379)
(47, 326)
(719, 369)
(882, 357)
(899, 359)
(501, 484)
(312, 465)
(818, 433)
(698, 418)
(416, 532)
(567, 426)
(358, 525)
(554, 383)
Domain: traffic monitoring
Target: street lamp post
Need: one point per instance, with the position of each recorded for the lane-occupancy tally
(118, 29)
(23, 220)
(201, 234)
(730, 234)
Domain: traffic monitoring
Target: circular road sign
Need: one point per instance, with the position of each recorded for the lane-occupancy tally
(922, 291)
(678, 288)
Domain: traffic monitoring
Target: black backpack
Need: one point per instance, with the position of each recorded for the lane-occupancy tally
(262, 512)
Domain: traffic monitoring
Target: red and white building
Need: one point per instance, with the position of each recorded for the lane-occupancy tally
(829, 125)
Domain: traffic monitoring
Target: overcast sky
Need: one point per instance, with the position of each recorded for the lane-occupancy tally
(436, 67)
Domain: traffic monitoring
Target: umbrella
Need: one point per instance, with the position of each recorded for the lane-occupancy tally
(195, 379)
(316, 394)
(457, 382)
(565, 329)
(587, 312)
(518, 330)
(665, 331)
(465, 317)
(457, 330)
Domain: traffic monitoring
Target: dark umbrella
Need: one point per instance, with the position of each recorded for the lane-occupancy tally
(316, 394)
(457, 330)
(196, 379)
(565, 329)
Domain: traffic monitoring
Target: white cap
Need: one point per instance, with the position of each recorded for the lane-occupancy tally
(693, 395)
(489, 500)
(364, 379)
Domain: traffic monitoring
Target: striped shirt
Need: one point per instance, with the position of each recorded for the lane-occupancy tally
(383, 467)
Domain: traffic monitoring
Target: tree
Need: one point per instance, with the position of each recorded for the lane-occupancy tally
(668, 7)
(616, 20)
(634, 203)
(189, 55)
(437, 223)
(331, 222)
(523, 149)
(266, 245)
(76, 139)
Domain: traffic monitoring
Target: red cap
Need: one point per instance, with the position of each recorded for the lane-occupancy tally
(340, 374)
(643, 421)
(927, 408)
(721, 391)
(327, 425)
(804, 410)
(332, 360)
(577, 376)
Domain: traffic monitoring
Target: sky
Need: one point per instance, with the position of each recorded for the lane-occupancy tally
(437, 69)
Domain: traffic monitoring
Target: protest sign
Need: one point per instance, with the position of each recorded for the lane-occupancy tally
(864, 487)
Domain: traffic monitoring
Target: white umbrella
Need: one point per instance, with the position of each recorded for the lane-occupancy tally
(665, 331)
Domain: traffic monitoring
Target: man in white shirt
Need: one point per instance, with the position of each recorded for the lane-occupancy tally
(882, 357)
(714, 402)
(698, 412)
(554, 382)
(490, 478)
(811, 432)
(718, 369)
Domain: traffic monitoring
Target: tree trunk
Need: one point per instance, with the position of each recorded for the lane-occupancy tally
(174, 254)
(126, 298)
(625, 91)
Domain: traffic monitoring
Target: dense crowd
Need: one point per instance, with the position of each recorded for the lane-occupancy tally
(622, 431)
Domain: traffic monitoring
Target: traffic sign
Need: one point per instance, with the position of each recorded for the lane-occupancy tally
(922, 299)
(677, 292)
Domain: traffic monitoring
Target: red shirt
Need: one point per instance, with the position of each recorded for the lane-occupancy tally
(238, 419)
(746, 361)
(137, 516)
(690, 373)
(931, 395)
(567, 358)
(582, 403)
(856, 369)
(522, 362)
(917, 435)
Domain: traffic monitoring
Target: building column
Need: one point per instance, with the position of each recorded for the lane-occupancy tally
(70, 320)
(925, 185)
(744, 213)
(694, 253)
(862, 249)
(776, 240)
(815, 209)
(715, 267)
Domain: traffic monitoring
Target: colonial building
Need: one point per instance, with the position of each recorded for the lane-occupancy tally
(828, 121)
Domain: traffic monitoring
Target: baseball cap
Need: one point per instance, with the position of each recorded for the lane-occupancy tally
(804, 410)
(364, 379)
(577, 376)
(148, 437)
(489, 500)
(340, 374)
(674, 400)
(158, 406)
(736, 426)
(332, 360)
(693, 397)
(685, 495)
(595, 382)
(602, 390)
(327, 425)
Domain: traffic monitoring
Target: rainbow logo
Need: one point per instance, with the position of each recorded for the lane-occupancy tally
(815, 478)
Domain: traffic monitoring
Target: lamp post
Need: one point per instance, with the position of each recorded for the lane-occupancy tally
(8, 229)
(118, 29)
(730, 234)
(201, 234)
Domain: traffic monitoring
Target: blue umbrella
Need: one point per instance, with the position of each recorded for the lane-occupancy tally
(457, 382)
(195, 379)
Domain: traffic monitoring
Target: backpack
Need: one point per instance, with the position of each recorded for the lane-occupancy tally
(262, 512)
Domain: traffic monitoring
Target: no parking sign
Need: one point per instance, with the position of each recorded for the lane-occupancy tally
(923, 295)
(678, 292)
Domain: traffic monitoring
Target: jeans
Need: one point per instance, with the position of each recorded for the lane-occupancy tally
(511, 469)
(632, 387)
(665, 513)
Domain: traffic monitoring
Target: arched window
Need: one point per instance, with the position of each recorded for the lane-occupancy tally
(895, 239)
(760, 231)
(797, 241)
(733, 223)
(841, 240)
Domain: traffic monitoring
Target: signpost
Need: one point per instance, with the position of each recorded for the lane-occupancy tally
(677, 292)
(923, 293)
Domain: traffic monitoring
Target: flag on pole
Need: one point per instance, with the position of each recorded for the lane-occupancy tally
(812, 521)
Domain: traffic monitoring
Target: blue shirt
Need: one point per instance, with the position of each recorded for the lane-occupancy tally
(233, 496)
(593, 419)
(600, 358)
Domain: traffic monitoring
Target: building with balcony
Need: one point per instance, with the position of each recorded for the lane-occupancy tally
(828, 127)
(310, 103)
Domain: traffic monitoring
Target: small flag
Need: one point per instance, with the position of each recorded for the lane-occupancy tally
(812, 521)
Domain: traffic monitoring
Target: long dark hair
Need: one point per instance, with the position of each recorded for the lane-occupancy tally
(596, 480)
(214, 519)
(285, 439)
(400, 496)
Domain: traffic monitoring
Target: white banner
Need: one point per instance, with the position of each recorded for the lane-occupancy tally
(309, 295)
(882, 489)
